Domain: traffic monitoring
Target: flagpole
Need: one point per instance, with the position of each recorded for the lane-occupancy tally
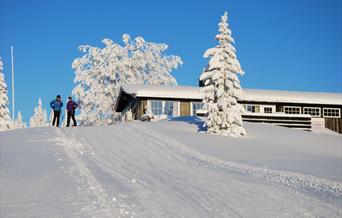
(13, 118)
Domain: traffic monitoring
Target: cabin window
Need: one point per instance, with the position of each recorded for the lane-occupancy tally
(253, 108)
(196, 106)
(157, 107)
(169, 108)
(268, 110)
(331, 112)
(313, 111)
(291, 110)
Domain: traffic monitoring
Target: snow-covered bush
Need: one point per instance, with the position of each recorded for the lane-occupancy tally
(222, 89)
(5, 118)
(39, 118)
(18, 123)
(100, 72)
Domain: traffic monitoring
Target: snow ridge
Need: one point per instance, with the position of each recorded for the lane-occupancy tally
(291, 179)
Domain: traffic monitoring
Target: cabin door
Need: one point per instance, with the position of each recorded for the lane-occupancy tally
(184, 108)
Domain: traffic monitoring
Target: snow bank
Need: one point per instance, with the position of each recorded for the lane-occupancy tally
(302, 174)
(169, 169)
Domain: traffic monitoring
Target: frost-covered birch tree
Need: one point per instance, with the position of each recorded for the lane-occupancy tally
(18, 123)
(5, 118)
(39, 118)
(100, 72)
(222, 89)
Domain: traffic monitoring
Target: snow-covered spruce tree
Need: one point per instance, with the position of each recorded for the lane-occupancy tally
(39, 118)
(100, 72)
(18, 123)
(222, 89)
(5, 118)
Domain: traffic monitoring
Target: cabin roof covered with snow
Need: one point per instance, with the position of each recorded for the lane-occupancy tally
(251, 95)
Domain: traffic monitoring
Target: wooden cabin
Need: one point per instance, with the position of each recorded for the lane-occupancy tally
(264, 105)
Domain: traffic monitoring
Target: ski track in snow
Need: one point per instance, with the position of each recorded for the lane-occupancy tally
(101, 204)
(134, 171)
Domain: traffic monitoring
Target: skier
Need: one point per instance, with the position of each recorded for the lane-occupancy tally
(56, 105)
(71, 107)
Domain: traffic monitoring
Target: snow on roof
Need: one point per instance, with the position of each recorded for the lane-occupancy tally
(293, 97)
(163, 91)
(253, 95)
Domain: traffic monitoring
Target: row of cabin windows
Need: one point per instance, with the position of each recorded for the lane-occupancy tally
(256, 109)
(170, 108)
(314, 111)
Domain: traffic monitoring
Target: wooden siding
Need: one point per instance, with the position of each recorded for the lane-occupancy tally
(279, 108)
(334, 124)
(297, 122)
(140, 108)
(184, 108)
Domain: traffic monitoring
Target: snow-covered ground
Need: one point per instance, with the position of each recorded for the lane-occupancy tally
(169, 169)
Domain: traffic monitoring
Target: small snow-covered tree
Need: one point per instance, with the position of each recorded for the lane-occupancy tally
(100, 72)
(5, 118)
(65, 118)
(18, 123)
(39, 118)
(222, 90)
(51, 116)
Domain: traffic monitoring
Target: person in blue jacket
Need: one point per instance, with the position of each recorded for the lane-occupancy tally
(56, 105)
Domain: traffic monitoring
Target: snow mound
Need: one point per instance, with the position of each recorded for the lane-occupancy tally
(169, 169)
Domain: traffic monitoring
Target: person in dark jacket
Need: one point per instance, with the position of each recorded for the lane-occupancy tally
(56, 105)
(71, 107)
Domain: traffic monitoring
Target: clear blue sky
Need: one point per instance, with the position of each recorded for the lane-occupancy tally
(281, 44)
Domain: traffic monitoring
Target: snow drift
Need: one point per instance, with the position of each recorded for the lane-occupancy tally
(169, 169)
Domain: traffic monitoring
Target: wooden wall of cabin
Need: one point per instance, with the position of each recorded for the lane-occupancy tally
(279, 108)
(140, 108)
(184, 108)
(334, 124)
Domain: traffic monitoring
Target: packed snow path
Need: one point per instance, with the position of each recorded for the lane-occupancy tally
(139, 170)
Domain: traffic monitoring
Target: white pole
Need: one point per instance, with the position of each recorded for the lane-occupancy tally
(13, 118)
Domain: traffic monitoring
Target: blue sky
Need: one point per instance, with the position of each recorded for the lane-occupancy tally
(281, 44)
